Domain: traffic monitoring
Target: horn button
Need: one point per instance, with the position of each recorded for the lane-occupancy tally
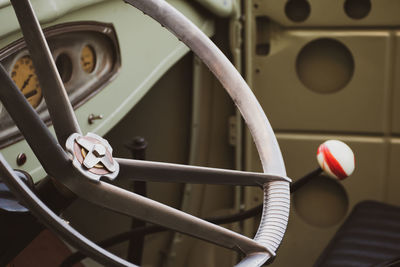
(92, 156)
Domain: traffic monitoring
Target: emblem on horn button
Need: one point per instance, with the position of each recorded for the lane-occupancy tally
(92, 156)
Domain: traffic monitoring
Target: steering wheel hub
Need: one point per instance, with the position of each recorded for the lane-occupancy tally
(92, 156)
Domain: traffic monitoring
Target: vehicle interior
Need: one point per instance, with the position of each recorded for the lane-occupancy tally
(195, 133)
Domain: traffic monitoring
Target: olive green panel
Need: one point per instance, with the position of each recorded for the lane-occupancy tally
(209, 146)
(147, 51)
(319, 77)
(328, 13)
(396, 86)
(324, 80)
(320, 207)
(393, 184)
(162, 117)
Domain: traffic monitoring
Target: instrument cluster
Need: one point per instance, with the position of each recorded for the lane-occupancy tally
(87, 57)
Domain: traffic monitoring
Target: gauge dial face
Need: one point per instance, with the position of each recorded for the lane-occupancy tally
(88, 59)
(24, 76)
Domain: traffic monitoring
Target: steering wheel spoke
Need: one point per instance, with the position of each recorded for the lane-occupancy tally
(51, 220)
(47, 150)
(141, 170)
(131, 204)
(60, 109)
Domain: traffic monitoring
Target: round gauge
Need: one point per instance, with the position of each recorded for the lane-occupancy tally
(24, 76)
(88, 59)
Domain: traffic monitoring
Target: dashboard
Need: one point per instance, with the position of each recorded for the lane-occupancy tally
(128, 51)
(87, 58)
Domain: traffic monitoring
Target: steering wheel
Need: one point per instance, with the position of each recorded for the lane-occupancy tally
(82, 163)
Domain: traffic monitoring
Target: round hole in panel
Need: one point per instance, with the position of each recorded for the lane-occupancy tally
(64, 67)
(297, 10)
(325, 65)
(322, 202)
(357, 9)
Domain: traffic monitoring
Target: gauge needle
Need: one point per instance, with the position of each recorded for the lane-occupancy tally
(31, 93)
(26, 81)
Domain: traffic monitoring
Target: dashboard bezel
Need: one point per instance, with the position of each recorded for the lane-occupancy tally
(96, 81)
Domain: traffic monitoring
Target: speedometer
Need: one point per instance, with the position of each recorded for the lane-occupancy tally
(24, 76)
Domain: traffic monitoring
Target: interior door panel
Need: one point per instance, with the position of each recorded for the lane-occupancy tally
(327, 70)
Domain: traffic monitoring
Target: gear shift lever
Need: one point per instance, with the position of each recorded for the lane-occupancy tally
(335, 158)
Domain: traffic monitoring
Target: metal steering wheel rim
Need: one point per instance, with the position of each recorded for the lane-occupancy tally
(276, 191)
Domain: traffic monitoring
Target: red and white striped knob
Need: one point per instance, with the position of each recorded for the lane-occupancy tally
(336, 159)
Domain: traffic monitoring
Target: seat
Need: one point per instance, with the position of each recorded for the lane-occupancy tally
(369, 237)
